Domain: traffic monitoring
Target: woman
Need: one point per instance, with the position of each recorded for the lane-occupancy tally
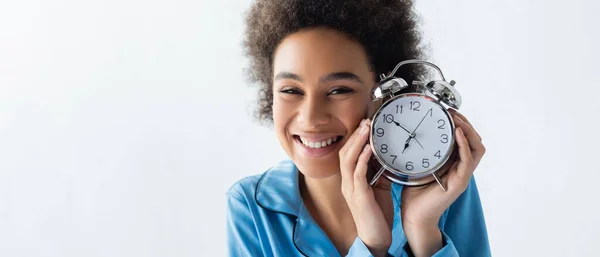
(317, 62)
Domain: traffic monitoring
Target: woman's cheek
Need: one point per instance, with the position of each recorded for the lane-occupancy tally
(354, 110)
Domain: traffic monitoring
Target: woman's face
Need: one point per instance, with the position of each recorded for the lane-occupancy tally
(321, 92)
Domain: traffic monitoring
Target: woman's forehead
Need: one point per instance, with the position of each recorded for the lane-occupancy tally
(317, 52)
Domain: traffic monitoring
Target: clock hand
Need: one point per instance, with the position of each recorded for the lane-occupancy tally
(398, 124)
(411, 134)
(419, 143)
(407, 143)
(422, 120)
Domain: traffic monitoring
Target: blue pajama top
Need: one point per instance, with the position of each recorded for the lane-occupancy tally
(267, 217)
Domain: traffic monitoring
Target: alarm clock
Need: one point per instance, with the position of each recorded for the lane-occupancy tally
(412, 132)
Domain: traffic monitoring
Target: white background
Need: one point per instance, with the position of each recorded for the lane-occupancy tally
(123, 122)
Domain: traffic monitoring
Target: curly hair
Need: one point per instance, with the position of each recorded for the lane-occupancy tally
(387, 30)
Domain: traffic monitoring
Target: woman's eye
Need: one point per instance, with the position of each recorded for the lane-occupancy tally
(341, 90)
(291, 91)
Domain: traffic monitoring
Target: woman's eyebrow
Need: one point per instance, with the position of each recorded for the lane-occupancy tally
(329, 77)
(340, 76)
(288, 75)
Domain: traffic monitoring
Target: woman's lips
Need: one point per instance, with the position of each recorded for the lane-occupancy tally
(316, 151)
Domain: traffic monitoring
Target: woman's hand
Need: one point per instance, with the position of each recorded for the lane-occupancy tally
(371, 225)
(422, 207)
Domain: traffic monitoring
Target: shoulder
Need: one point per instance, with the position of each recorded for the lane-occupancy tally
(246, 187)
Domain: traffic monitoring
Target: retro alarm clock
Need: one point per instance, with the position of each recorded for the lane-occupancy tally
(412, 132)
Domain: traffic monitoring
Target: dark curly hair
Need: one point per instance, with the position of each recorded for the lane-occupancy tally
(387, 30)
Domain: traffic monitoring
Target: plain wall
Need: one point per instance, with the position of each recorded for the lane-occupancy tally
(123, 123)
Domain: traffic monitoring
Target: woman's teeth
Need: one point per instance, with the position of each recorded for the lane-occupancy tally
(318, 144)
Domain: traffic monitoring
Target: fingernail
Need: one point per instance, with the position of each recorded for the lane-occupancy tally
(363, 122)
(364, 129)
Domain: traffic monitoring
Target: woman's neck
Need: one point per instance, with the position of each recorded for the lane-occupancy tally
(325, 202)
(324, 199)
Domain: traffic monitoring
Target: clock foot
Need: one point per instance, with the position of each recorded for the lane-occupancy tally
(439, 181)
(377, 175)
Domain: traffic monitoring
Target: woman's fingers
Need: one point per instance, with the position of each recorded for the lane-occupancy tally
(464, 168)
(473, 138)
(469, 132)
(355, 146)
(351, 139)
(360, 174)
(350, 152)
(458, 116)
(346, 165)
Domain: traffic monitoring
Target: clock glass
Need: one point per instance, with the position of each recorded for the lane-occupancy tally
(412, 134)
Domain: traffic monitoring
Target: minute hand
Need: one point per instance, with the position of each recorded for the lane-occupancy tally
(414, 131)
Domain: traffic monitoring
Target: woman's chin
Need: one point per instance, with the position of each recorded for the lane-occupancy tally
(318, 169)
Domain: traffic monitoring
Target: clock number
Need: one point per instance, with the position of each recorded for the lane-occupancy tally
(414, 105)
(399, 107)
(444, 138)
(438, 154)
(443, 123)
(384, 148)
(425, 163)
(388, 118)
(409, 166)
(394, 156)
(380, 132)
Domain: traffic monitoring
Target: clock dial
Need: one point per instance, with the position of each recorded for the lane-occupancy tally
(412, 134)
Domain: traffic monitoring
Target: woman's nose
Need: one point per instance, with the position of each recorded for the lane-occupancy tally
(313, 112)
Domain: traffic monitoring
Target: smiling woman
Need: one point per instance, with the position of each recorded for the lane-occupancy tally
(321, 100)
(317, 62)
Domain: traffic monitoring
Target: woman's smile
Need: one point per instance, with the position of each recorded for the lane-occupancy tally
(317, 145)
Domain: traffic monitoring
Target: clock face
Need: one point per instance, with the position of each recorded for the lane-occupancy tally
(412, 134)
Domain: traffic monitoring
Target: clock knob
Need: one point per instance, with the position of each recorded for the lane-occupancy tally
(445, 92)
(389, 87)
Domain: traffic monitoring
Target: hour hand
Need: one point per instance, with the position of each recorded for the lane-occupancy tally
(407, 143)
(398, 124)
